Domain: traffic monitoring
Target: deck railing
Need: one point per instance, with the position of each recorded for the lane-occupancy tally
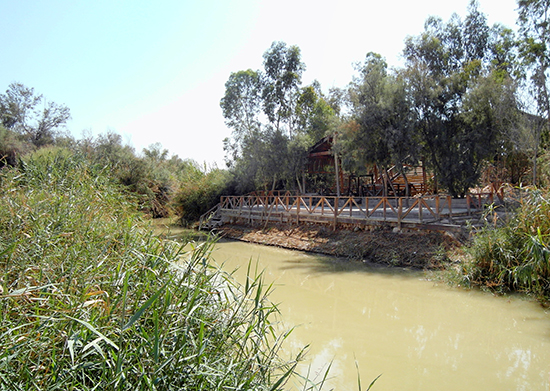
(439, 209)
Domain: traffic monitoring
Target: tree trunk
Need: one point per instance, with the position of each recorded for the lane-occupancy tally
(337, 174)
(300, 188)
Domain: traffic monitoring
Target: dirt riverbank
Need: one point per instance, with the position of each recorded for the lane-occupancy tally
(418, 249)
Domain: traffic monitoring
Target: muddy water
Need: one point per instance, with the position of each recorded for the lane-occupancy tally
(417, 334)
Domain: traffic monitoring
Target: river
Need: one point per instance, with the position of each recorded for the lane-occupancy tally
(416, 334)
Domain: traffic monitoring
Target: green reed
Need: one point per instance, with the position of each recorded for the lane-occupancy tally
(89, 300)
(514, 257)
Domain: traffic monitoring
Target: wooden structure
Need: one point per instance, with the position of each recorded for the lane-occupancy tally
(409, 181)
(427, 212)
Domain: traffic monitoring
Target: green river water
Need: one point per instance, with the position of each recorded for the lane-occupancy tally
(419, 335)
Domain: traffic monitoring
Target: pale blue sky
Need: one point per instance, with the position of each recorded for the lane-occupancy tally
(154, 71)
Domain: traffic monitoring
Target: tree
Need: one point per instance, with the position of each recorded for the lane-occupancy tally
(449, 67)
(475, 33)
(385, 127)
(534, 23)
(272, 120)
(11, 147)
(20, 111)
(155, 152)
(283, 75)
(241, 107)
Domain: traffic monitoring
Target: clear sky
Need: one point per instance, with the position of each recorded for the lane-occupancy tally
(154, 71)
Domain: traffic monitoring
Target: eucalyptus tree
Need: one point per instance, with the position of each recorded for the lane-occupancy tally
(448, 68)
(283, 70)
(313, 119)
(384, 131)
(35, 118)
(241, 107)
(534, 23)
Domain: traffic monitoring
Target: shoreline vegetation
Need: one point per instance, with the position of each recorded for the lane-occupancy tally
(91, 299)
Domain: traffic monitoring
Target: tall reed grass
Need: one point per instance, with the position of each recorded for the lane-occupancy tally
(91, 301)
(514, 257)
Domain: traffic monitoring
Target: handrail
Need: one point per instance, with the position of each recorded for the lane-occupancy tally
(208, 215)
(331, 209)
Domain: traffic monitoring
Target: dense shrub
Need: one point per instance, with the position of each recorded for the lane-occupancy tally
(515, 257)
(11, 147)
(196, 197)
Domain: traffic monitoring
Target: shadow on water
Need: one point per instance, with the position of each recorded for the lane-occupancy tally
(325, 264)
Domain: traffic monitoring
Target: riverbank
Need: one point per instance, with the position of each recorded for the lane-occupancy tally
(417, 249)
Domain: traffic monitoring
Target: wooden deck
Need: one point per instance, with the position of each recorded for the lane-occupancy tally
(427, 212)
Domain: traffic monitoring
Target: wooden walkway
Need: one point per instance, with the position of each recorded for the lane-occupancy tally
(427, 212)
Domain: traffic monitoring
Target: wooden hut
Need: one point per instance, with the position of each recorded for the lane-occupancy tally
(409, 180)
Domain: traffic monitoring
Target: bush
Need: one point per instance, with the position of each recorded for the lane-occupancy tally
(11, 147)
(196, 197)
(91, 300)
(515, 257)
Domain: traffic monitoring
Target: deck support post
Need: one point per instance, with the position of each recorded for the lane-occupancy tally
(336, 207)
(299, 199)
(399, 212)
(450, 203)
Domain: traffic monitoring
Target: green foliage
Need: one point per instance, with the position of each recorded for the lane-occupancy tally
(154, 178)
(39, 121)
(274, 122)
(241, 104)
(464, 100)
(91, 301)
(201, 193)
(282, 77)
(514, 257)
(11, 147)
(534, 29)
(385, 120)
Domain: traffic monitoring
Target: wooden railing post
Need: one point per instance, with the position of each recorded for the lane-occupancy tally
(249, 209)
(399, 212)
(299, 199)
(420, 209)
(450, 202)
(336, 207)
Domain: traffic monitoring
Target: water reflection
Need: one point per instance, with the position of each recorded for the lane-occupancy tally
(417, 334)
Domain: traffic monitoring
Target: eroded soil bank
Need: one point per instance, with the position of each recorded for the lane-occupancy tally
(381, 245)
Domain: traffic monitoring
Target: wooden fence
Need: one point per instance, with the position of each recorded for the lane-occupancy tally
(431, 212)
